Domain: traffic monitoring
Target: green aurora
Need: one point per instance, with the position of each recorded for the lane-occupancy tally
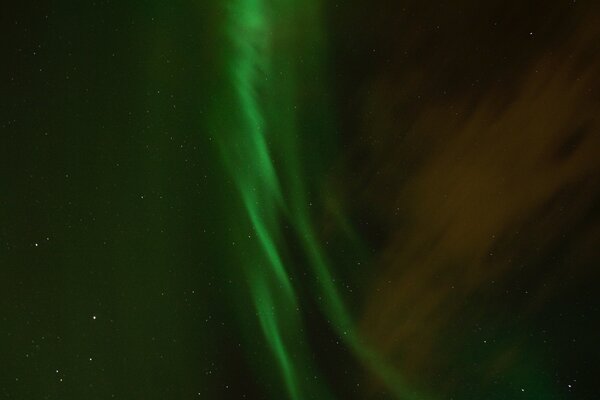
(270, 47)
(300, 199)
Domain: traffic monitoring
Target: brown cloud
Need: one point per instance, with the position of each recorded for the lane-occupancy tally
(474, 186)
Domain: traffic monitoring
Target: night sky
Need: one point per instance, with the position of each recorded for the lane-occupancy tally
(300, 199)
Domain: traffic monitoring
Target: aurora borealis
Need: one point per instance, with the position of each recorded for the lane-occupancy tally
(285, 199)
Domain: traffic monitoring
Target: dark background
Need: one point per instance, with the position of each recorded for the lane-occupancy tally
(114, 205)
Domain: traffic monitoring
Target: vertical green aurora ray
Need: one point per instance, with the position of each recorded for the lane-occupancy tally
(271, 46)
(243, 143)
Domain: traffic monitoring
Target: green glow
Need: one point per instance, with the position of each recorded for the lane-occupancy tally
(243, 145)
(257, 119)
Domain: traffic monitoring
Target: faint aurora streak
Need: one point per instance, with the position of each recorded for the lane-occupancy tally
(263, 56)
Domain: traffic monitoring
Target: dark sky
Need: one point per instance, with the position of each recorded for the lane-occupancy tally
(473, 167)
(447, 154)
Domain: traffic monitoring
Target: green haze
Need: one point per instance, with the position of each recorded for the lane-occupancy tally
(273, 56)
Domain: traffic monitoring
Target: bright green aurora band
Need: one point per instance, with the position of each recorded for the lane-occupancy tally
(273, 55)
